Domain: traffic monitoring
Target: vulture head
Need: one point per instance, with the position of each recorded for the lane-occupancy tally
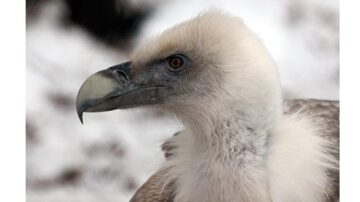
(204, 66)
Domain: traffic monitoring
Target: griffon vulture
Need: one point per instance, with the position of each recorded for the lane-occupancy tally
(242, 141)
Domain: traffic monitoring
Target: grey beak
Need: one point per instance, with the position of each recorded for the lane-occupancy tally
(114, 88)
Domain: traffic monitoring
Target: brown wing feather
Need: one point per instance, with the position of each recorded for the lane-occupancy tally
(325, 111)
(154, 191)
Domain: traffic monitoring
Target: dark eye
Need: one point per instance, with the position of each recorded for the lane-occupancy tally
(176, 62)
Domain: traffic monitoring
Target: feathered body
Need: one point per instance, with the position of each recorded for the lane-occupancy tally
(296, 168)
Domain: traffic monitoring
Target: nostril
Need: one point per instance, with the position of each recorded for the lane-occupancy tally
(121, 74)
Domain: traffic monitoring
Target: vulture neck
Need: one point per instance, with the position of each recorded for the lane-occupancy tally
(221, 154)
(229, 130)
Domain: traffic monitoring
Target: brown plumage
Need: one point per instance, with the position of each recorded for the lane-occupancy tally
(326, 112)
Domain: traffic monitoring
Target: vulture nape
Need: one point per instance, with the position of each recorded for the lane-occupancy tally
(242, 142)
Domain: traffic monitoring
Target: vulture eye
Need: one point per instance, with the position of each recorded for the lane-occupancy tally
(176, 62)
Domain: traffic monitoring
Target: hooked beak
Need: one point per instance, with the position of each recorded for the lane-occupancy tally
(114, 88)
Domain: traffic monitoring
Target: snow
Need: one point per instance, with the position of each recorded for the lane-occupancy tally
(113, 153)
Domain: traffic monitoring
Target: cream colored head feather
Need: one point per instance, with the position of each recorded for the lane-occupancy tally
(229, 66)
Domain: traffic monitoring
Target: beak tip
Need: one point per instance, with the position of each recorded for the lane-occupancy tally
(80, 112)
(80, 115)
(81, 119)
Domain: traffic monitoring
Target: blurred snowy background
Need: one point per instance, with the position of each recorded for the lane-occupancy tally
(110, 156)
